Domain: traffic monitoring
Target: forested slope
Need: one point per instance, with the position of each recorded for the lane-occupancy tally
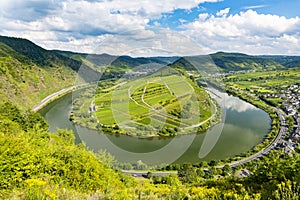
(25, 81)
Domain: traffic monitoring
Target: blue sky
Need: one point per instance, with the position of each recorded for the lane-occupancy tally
(142, 26)
(276, 7)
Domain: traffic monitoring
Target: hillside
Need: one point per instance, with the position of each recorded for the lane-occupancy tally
(38, 55)
(287, 61)
(220, 61)
(31, 73)
(115, 66)
(38, 164)
(121, 61)
(238, 61)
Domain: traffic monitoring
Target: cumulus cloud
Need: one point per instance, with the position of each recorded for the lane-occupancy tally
(58, 24)
(157, 43)
(248, 32)
(223, 13)
(81, 25)
(29, 10)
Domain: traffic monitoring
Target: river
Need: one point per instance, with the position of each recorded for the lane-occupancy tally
(242, 127)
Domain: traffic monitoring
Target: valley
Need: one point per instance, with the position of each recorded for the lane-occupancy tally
(151, 101)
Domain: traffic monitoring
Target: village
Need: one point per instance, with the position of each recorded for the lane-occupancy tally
(291, 106)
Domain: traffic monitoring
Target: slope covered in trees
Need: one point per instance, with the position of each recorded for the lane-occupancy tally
(287, 61)
(38, 55)
(25, 81)
(36, 164)
(238, 61)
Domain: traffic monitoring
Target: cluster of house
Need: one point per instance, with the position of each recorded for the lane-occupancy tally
(292, 103)
(291, 106)
(230, 73)
(135, 74)
(288, 146)
(146, 69)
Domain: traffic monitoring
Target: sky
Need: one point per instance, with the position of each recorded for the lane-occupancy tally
(156, 27)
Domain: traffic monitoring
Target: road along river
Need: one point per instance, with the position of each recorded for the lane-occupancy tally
(243, 127)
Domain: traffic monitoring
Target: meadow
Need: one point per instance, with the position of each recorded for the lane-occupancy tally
(264, 81)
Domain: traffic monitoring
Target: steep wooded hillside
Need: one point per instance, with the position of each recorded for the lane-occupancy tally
(26, 78)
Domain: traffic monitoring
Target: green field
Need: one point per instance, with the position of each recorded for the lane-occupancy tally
(165, 103)
(264, 82)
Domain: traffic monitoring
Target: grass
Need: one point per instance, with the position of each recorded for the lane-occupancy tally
(265, 81)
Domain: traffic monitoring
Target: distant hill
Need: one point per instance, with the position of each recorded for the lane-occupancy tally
(287, 61)
(224, 62)
(238, 61)
(29, 73)
(38, 55)
(114, 66)
(119, 61)
(220, 61)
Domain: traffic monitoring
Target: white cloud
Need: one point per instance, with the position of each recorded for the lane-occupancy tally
(254, 7)
(247, 32)
(80, 25)
(158, 43)
(223, 13)
(74, 20)
(203, 16)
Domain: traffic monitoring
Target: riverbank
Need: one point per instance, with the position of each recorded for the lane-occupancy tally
(276, 133)
(52, 97)
(94, 140)
(201, 127)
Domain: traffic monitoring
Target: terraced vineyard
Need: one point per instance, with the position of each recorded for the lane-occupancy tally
(165, 103)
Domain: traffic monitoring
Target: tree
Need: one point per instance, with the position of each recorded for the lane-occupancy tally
(11, 112)
(187, 174)
(200, 173)
(213, 163)
(9, 127)
(203, 164)
(226, 170)
(287, 190)
(140, 165)
(149, 175)
(34, 120)
(68, 136)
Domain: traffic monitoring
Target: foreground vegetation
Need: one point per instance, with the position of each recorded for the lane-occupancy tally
(38, 165)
